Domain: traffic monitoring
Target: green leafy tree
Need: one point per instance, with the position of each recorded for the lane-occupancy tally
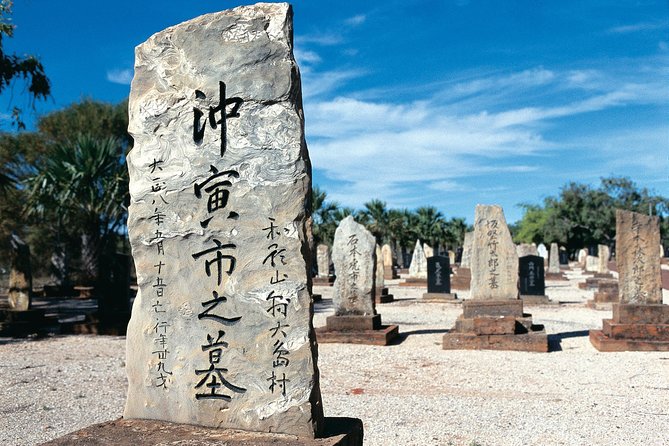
(13, 67)
(375, 218)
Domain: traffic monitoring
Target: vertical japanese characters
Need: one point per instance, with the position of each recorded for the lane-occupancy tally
(493, 261)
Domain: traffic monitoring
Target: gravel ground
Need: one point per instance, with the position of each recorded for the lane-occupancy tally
(412, 393)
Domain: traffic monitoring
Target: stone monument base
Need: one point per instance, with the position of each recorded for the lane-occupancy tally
(316, 297)
(634, 327)
(495, 325)
(555, 276)
(389, 273)
(536, 299)
(605, 296)
(338, 432)
(353, 329)
(595, 282)
(25, 323)
(323, 281)
(440, 297)
(382, 296)
(415, 282)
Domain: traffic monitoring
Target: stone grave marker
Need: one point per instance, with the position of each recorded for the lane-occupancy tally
(532, 280)
(582, 255)
(554, 259)
(467, 250)
(20, 275)
(418, 266)
(493, 317)
(542, 251)
(439, 279)
(323, 260)
(526, 249)
(220, 333)
(640, 321)
(355, 319)
(427, 251)
(603, 255)
(388, 267)
(381, 293)
(564, 257)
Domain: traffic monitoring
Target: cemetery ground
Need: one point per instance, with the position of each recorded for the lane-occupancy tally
(409, 393)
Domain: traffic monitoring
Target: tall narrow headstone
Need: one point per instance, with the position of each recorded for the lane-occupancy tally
(637, 258)
(418, 267)
(427, 250)
(542, 251)
(603, 254)
(451, 256)
(639, 320)
(494, 259)
(591, 264)
(439, 280)
(532, 281)
(388, 267)
(354, 256)
(20, 275)
(467, 250)
(323, 261)
(220, 333)
(554, 259)
(582, 256)
(381, 293)
(493, 317)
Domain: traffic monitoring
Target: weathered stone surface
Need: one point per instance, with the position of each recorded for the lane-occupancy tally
(494, 260)
(20, 275)
(582, 255)
(418, 267)
(354, 256)
(379, 282)
(428, 251)
(603, 254)
(637, 258)
(542, 251)
(387, 255)
(554, 259)
(451, 256)
(323, 261)
(526, 249)
(591, 264)
(467, 250)
(221, 331)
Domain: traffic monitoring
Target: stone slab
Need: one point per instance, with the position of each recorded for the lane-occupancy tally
(414, 282)
(337, 432)
(654, 332)
(605, 296)
(486, 325)
(384, 298)
(554, 276)
(471, 309)
(440, 297)
(537, 300)
(383, 336)
(641, 313)
(353, 322)
(604, 343)
(323, 281)
(534, 341)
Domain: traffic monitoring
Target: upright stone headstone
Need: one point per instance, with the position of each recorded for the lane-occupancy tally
(532, 282)
(379, 281)
(467, 250)
(438, 275)
(564, 256)
(554, 259)
(20, 275)
(603, 254)
(582, 255)
(526, 249)
(451, 256)
(637, 258)
(323, 261)
(591, 264)
(428, 251)
(494, 260)
(354, 256)
(418, 267)
(542, 251)
(388, 264)
(220, 333)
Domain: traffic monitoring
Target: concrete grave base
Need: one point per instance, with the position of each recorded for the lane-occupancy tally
(555, 276)
(634, 327)
(382, 296)
(338, 432)
(606, 294)
(323, 281)
(595, 282)
(495, 325)
(414, 282)
(25, 323)
(356, 330)
(537, 300)
(440, 297)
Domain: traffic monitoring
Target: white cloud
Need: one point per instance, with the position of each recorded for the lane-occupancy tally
(324, 39)
(123, 77)
(639, 27)
(306, 56)
(356, 20)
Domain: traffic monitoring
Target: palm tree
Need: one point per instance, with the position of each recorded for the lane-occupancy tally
(430, 225)
(324, 214)
(375, 217)
(82, 187)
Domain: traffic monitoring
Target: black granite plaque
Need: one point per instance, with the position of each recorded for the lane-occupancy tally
(564, 258)
(531, 270)
(438, 274)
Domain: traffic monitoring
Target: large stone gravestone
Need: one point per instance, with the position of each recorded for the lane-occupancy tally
(493, 317)
(221, 333)
(542, 251)
(532, 282)
(323, 261)
(355, 319)
(554, 272)
(381, 295)
(417, 268)
(640, 321)
(388, 267)
(439, 279)
(603, 255)
(582, 255)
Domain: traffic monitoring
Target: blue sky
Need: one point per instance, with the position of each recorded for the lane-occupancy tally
(418, 102)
